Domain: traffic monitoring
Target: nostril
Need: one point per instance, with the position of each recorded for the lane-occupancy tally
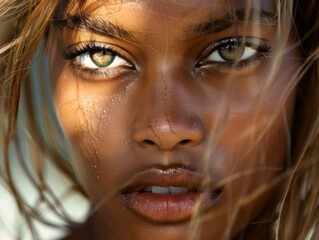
(148, 142)
(185, 141)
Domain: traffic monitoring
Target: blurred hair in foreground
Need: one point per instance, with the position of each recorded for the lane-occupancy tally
(37, 150)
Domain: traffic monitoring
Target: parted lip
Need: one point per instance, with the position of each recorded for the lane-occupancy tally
(145, 195)
(171, 177)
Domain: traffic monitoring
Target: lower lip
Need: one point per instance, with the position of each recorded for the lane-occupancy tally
(169, 208)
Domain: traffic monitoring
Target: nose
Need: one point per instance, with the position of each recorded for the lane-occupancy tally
(167, 118)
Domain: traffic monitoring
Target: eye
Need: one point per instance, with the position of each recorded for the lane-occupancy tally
(234, 53)
(98, 61)
(101, 59)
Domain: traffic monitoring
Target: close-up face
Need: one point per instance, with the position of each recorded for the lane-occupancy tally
(177, 110)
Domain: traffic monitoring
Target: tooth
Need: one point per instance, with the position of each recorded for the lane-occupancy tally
(160, 190)
(148, 189)
(177, 190)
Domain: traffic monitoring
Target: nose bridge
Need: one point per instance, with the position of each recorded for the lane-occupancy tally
(167, 113)
(167, 119)
(164, 107)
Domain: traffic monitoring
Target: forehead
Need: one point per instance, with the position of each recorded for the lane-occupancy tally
(167, 8)
(149, 17)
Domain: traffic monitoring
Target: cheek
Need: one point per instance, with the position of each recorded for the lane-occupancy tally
(254, 142)
(87, 113)
(85, 117)
(254, 148)
(93, 119)
(260, 135)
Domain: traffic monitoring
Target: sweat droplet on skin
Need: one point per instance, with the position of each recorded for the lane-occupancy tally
(94, 117)
(94, 109)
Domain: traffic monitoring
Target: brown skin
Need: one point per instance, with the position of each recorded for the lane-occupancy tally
(164, 111)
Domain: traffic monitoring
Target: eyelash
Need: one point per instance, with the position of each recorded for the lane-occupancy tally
(261, 47)
(76, 51)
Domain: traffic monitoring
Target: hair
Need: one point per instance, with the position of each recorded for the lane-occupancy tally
(23, 28)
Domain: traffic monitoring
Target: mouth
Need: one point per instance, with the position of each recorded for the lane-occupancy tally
(170, 196)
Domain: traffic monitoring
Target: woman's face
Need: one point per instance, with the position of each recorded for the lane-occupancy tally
(176, 109)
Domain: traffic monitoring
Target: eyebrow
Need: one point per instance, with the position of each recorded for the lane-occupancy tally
(229, 20)
(214, 25)
(96, 26)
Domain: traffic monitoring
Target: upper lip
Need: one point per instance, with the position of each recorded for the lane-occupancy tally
(170, 177)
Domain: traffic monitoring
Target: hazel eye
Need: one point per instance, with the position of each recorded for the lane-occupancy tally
(232, 53)
(236, 53)
(101, 59)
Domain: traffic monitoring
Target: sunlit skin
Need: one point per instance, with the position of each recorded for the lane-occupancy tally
(170, 105)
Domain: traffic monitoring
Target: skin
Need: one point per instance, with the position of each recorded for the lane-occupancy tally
(166, 113)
